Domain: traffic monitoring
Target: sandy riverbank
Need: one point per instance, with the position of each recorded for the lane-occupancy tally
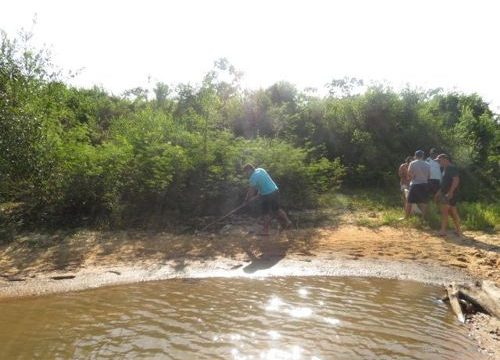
(36, 264)
(361, 250)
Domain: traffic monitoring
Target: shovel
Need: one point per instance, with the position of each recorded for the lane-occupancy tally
(230, 213)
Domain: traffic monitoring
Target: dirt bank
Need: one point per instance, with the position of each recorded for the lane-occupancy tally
(48, 263)
(36, 256)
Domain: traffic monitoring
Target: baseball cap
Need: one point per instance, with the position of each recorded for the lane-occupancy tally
(442, 156)
(419, 153)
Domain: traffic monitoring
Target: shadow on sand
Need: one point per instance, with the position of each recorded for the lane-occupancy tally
(264, 253)
(472, 242)
(32, 253)
(467, 241)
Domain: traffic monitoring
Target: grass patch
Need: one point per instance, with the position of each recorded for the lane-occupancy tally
(391, 217)
(374, 208)
(480, 216)
(367, 199)
(367, 222)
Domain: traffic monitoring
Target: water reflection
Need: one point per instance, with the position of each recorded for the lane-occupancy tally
(274, 335)
(332, 321)
(300, 312)
(274, 304)
(274, 318)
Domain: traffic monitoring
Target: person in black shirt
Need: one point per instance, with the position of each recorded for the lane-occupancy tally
(447, 194)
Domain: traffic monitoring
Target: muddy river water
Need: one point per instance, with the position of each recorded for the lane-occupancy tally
(238, 318)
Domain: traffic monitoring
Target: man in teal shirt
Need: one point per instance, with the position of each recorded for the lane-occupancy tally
(262, 184)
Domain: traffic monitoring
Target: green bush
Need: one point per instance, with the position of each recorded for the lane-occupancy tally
(72, 155)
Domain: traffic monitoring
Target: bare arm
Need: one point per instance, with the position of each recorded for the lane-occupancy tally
(410, 173)
(401, 171)
(250, 193)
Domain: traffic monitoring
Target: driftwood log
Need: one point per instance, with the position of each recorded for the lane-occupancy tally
(482, 296)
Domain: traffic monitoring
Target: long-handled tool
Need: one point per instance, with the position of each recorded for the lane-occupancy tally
(230, 213)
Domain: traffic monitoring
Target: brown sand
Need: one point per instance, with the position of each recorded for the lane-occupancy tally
(36, 254)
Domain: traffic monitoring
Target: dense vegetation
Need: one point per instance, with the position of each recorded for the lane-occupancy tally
(71, 155)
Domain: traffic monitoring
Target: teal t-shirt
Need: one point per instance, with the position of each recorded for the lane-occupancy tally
(261, 180)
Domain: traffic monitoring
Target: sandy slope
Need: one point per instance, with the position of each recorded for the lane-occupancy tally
(36, 256)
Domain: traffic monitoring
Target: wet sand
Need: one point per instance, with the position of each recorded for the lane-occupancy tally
(36, 264)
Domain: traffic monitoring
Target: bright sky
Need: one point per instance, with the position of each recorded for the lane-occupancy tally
(427, 43)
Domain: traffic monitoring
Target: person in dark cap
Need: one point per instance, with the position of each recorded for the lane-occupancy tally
(447, 194)
(419, 172)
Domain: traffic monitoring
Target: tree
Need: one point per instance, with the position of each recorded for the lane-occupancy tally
(344, 87)
(162, 91)
(27, 135)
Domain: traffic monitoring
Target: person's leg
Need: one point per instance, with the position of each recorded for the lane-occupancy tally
(456, 220)
(433, 192)
(407, 210)
(436, 200)
(444, 219)
(424, 206)
(412, 199)
(279, 213)
(267, 222)
(266, 212)
(403, 197)
(283, 219)
(423, 209)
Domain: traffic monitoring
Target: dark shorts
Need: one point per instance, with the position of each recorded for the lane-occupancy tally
(433, 186)
(443, 200)
(418, 194)
(270, 203)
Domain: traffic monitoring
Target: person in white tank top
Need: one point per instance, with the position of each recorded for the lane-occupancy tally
(435, 178)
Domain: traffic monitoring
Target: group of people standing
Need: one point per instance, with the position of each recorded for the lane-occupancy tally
(433, 177)
(420, 178)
